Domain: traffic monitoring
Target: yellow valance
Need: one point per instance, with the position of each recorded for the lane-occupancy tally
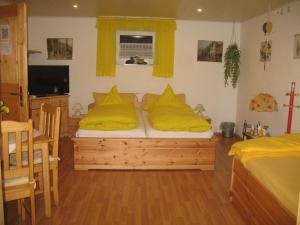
(164, 43)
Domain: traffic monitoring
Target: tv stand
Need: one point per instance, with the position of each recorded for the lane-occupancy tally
(56, 100)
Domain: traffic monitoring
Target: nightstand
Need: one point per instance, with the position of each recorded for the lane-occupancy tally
(74, 125)
(207, 119)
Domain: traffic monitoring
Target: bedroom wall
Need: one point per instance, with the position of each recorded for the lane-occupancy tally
(279, 73)
(201, 81)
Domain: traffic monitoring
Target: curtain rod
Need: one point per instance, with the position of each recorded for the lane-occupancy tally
(136, 17)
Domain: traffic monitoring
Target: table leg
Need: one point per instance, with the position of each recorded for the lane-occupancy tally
(46, 179)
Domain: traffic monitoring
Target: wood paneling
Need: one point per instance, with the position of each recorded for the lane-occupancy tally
(144, 153)
(8, 11)
(13, 65)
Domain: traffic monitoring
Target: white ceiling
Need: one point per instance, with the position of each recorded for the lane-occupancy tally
(214, 10)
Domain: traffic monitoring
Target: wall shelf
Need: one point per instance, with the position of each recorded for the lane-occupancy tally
(30, 52)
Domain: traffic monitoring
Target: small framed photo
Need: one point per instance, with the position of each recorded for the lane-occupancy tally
(297, 47)
(210, 51)
(60, 48)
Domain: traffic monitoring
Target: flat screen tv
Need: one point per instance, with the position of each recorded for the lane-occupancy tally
(46, 80)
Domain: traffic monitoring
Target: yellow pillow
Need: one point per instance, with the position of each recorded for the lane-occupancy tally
(113, 98)
(168, 98)
(149, 99)
(129, 97)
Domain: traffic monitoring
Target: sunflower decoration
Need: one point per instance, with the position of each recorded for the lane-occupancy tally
(3, 108)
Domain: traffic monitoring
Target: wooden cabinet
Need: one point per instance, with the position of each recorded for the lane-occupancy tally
(60, 100)
(74, 125)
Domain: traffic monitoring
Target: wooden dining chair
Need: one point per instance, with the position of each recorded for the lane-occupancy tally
(49, 125)
(18, 179)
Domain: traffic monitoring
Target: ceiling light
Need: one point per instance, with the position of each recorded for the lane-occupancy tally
(75, 6)
(199, 10)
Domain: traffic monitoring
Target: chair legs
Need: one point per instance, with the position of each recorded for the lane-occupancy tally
(55, 185)
(21, 207)
(22, 210)
(32, 203)
(40, 181)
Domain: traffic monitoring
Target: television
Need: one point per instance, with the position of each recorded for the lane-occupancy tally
(44, 80)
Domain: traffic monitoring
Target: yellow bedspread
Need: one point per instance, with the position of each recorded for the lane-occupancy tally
(285, 145)
(110, 117)
(281, 176)
(173, 118)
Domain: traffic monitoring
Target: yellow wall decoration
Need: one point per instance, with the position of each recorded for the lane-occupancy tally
(164, 43)
(263, 102)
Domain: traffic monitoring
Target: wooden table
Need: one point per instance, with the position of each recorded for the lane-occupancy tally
(40, 143)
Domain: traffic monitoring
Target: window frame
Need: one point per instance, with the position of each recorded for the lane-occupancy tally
(121, 61)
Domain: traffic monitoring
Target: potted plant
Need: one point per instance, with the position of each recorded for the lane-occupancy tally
(232, 64)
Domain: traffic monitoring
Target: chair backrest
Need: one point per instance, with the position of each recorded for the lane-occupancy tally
(49, 125)
(17, 137)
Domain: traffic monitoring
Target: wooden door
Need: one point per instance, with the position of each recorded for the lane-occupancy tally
(13, 60)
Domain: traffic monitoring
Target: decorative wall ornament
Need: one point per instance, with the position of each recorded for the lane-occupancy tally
(267, 45)
(263, 102)
(265, 51)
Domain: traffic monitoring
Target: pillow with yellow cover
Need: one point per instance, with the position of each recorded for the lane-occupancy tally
(129, 97)
(149, 99)
(168, 113)
(112, 113)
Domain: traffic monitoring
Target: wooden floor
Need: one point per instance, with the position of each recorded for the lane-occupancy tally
(139, 197)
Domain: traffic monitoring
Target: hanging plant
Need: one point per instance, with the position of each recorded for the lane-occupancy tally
(232, 64)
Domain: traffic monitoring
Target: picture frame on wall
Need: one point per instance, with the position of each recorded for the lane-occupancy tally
(210, 51)
(297, 47)
(60, 48)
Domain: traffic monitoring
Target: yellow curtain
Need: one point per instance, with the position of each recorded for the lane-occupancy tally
(164, 43)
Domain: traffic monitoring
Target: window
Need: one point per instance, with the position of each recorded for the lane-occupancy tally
(135, 47)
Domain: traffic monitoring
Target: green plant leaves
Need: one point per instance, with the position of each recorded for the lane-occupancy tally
(232, 64)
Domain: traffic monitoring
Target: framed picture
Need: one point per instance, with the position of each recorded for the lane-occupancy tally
(60, 48)
(297, 47)
(265, 51)
(210, 51)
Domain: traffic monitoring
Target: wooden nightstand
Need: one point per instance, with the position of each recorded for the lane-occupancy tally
(207, 119)
(74, 125)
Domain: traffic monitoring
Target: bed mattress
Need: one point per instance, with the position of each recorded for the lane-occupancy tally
(153, 133)
(280, 176)
(138, 132)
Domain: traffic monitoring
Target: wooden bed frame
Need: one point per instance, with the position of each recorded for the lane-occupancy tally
(144, 153)
(256, 204)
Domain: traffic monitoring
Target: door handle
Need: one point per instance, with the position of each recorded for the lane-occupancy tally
(21, 96)
(14, 93)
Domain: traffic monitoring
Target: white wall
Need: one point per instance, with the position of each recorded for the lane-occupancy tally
(201, 81)
(280, 72)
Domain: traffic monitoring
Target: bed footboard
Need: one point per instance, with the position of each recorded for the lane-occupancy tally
(255, 203)
(144, 153)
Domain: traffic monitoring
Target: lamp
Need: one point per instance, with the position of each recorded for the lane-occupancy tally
(77, 107)
(199, 109)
